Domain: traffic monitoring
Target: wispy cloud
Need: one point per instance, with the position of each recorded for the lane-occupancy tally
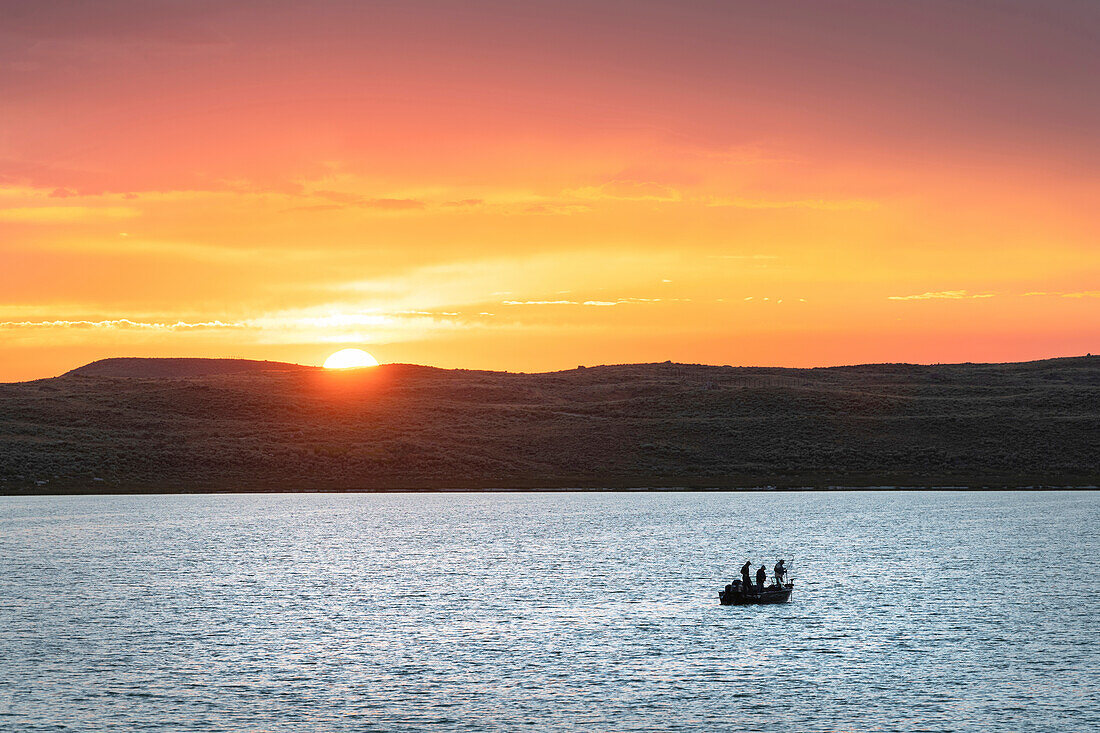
(61, 214)
(966, 295)
(344, 323)
(366, 202)
(556, 209)
(323, 324)
(125, 324)
(759, 259)
(738, 202)
(625, 190)
(520, 280)
(1060, 294)
(942, 295)
(598, 303)
(653, 191)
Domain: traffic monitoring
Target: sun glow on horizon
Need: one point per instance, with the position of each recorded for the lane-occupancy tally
(350, 359)
(597, 193)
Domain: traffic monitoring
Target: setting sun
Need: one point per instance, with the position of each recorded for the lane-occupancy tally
(350, 359)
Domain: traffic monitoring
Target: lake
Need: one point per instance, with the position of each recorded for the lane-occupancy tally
(912, 611)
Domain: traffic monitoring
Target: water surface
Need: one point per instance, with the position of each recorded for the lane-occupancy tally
(913, 611)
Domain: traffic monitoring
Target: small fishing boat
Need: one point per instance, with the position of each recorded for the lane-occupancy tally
(735, 594)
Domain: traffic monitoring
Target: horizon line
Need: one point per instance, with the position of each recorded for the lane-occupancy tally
(553, 371)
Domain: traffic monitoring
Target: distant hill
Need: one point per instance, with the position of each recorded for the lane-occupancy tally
(146, 368)
(232, 425)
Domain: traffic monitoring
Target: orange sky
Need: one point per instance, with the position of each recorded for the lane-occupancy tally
(532, 186)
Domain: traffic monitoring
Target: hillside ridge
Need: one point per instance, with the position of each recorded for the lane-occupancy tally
(169, 367)
(403, 426)
(187, 367)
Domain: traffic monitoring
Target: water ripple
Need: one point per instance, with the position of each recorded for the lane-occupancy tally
(913, 611)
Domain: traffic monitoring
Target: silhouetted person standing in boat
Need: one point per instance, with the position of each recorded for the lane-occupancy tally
(780, 571)
(761, 577)
(745, 576)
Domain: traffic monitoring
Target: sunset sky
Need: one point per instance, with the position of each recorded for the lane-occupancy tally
(536, 185)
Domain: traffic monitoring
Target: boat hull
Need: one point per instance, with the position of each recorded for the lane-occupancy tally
(737, 597)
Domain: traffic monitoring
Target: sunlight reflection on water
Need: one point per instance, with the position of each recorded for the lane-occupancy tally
(912, 611)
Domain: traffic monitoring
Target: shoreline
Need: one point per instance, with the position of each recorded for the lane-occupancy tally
(882, 488)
